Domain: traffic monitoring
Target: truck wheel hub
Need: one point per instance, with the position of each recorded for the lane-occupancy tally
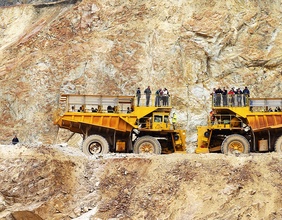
(236, 146)
(146, 148)
(95, 148)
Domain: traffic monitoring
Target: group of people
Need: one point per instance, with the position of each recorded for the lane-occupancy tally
(228, 97)
(277, 109)
(161, 96)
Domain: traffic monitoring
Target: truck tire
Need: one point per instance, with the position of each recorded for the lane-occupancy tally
(95, 144)
(235, 143)
(278, 145)
(147, 144)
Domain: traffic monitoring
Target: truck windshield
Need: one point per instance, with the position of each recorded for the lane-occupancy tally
(158, 118)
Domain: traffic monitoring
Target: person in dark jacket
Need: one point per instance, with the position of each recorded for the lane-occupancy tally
(224, 96)
(15, 140)
(138, 95)
(246, 95)
(218, 94)
(148, 95)
(239, 97)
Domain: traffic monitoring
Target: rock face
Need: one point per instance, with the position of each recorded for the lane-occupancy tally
(112, 47)
(48, 48)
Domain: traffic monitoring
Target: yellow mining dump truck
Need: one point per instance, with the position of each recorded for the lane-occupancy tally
(117, 124)
(236, 127)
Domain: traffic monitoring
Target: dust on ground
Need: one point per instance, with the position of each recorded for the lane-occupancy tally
(55, 182)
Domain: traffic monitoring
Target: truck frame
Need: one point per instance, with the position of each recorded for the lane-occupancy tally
(237, 127)
(117, 124)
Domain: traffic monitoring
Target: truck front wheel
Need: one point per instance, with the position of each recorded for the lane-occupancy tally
(278, 145)
(95, 144)
(235, 143)
(147, 144)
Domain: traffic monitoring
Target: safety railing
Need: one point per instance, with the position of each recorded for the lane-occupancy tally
(266, 105)
(110, 104)
(241, 100)
(153, 101)
(236, 100)
(96, 103)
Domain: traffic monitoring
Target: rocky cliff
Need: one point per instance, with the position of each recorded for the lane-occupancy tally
(112, 47)
(48, 48)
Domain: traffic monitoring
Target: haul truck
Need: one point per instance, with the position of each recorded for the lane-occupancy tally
(118, 124)
(236, 127)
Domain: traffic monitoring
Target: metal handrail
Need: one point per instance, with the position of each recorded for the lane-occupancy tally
(103, 103)
(242, 100)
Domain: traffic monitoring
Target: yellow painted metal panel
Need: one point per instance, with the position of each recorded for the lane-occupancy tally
(102, 120)
(267, 120)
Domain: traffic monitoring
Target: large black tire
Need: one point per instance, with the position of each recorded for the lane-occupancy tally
(147, 144)
(278, 145)
(235, 143)
(95, 144)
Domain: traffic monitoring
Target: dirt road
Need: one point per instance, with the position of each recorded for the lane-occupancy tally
(56, 182)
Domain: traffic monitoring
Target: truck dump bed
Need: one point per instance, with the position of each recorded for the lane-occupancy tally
(263, 114)
(102, 112)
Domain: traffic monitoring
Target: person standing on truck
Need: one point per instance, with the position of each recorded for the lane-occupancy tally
(213, 96)
(218, 93)
(158, 98)
(246, 95)
(231, 100)
(138, 95)
(224, 96)
(165, 97)
(148, 95)
(239, 96)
